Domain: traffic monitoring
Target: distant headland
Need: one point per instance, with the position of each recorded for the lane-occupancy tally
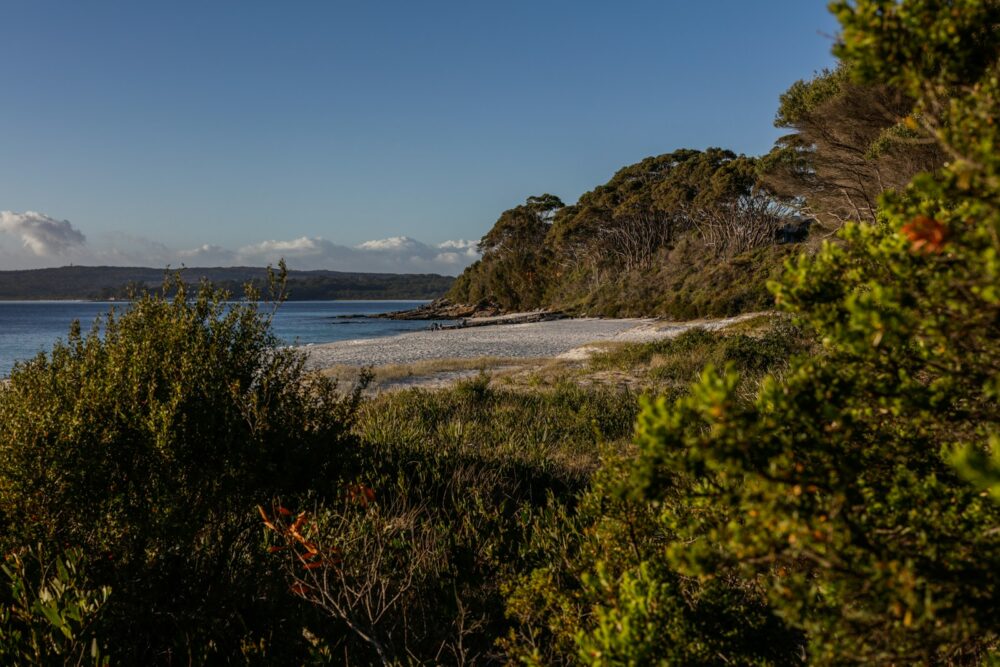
(102, 283)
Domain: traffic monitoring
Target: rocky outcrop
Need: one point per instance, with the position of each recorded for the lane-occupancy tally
(444, 309)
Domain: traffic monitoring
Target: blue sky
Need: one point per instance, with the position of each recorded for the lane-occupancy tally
(252, 129)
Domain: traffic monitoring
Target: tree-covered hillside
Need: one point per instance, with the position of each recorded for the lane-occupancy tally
(696, 233)
(115, 282)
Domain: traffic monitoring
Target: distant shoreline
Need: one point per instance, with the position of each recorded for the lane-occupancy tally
(79, 300)
(106, 283)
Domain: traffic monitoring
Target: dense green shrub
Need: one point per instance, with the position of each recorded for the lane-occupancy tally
(594, 586)
(829, 511)
(48, 610)
(834, 490)
(446, 487)
(147, 443)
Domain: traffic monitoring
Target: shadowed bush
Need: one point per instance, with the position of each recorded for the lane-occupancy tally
(147, 443)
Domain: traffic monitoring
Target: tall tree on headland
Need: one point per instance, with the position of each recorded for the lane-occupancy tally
(850, 143)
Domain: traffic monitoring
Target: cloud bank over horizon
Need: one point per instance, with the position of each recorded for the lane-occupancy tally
(42, 235)
(52, 242)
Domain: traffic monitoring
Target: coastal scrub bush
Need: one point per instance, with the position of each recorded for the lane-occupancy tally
(48, 610)
(855, 493)
(147, 443)
(593, 588)
(406, 563)
(682, 357)
(846, 512)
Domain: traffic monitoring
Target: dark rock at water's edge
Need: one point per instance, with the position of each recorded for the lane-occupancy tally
(444, 309)
(465, 315)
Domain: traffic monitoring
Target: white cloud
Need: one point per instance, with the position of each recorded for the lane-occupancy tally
(54, 242)
(302, 253)
(449, 258)
(459, 244)
(458, 252)
(123, 249)
(397, 254)
(395, 244)
(207, 254)
(42, 235)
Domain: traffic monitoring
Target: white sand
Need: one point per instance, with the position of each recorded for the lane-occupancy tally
(567, 339)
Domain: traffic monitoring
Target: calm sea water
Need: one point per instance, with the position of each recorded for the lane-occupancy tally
(27, 327)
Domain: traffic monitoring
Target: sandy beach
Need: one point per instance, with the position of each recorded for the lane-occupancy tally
(568, 338)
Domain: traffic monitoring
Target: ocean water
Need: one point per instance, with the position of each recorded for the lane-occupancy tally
(29, 327)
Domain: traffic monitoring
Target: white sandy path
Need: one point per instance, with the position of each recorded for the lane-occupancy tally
(567, 339)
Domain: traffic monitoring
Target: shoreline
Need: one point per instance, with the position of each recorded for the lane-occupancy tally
(568, 338)
(502, 339)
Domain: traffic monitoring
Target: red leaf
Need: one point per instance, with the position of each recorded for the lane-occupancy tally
(925, 234)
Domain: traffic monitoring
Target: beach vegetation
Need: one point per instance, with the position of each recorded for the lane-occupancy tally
(146, 444)
(850, 504)
(815, 486)
(679, 234)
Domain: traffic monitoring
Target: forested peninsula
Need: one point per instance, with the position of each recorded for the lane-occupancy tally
(102, 283)
(695, 233)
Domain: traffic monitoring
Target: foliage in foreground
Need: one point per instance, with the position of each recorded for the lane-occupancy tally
(607, 546)
(50, 613)
(839, 495)
(410, 558)
(147, 446)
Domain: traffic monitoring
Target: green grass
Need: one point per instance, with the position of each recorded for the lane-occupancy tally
(753, 347)
(556, 428)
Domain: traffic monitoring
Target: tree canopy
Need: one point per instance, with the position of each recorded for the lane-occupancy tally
(858, 493)
(545, 254)
(850, 144)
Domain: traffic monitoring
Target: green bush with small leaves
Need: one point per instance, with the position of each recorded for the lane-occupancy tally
(858, 491)
(48, 610)
(148, 443)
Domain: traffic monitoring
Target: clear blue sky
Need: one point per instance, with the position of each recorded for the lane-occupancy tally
(230, 123)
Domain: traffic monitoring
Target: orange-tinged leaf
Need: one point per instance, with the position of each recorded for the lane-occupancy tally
(361, 493)
(925, 234)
